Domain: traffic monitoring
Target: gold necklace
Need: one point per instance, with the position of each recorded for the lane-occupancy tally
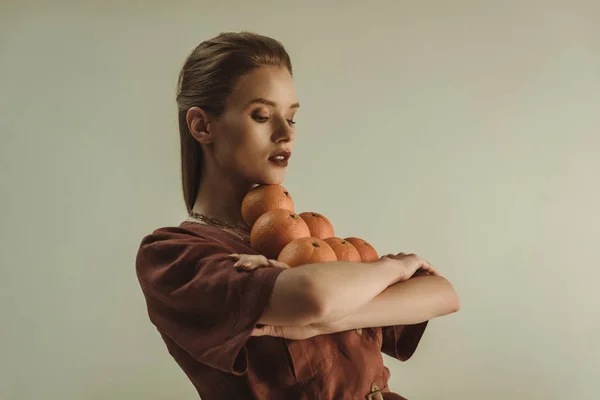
(241, 230)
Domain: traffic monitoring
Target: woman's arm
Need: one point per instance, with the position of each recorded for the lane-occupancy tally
(410, 302)
(417, 300)
(313, 293)
(320, 292)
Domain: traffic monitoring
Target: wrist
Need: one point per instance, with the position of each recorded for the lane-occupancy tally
(394, 268)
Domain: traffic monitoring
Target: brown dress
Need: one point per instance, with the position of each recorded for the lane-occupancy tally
(205, 310)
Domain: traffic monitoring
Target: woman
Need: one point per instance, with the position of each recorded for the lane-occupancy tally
(242, 326)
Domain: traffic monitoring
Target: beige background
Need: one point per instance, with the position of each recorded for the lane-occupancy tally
(465, 131)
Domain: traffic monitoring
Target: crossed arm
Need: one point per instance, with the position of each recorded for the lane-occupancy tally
(333, 297)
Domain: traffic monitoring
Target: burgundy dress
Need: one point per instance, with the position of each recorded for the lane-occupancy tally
(205, 310)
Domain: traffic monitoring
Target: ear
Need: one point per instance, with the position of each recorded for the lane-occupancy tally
(197, 122)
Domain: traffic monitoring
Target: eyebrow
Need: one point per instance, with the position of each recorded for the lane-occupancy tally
(261, 100)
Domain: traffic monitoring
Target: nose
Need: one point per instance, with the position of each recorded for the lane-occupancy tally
(285, 133)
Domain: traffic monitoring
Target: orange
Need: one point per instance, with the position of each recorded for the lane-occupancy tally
(273, 230)
(318, 224)
(265, 198)
(344, 250)
(307, 250)
(366, 251)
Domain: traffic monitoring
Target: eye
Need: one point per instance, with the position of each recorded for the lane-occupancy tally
(260, 118)
(264, 118)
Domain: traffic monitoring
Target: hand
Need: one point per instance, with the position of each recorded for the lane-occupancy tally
(250, 262)
(412, 263)
(294, 332)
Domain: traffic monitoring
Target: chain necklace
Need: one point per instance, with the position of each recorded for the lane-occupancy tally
(242, 232)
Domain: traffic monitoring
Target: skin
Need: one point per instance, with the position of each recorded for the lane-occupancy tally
(311, 299)
(237, 144)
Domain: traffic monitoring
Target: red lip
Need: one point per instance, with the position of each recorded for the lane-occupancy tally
(285, 154)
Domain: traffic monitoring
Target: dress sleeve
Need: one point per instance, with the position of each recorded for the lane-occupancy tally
(401, 341)
(198, 299)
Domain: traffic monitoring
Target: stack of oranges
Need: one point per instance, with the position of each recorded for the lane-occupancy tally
(296, 239)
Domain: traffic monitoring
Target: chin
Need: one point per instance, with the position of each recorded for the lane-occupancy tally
(270, 182)
(271, 179)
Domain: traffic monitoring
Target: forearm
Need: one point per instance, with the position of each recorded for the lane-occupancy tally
(344, 287)
(409, 302)
(327, 291)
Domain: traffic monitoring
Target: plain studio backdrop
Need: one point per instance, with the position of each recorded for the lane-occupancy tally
(465, 131)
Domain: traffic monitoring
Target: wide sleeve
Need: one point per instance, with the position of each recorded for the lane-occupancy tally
(401, 341)
(200, 301)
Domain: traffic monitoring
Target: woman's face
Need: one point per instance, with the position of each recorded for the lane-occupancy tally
(254, 137)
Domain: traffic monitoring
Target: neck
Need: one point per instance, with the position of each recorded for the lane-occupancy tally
(221, 197)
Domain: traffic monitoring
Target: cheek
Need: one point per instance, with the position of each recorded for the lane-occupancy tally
(251, 144)
(243, 144)
(239, 152)
(248, 153)
(230, 141)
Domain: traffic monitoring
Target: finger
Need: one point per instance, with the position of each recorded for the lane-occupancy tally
(252, 262)
(265, 330)
(258, 332)
(242, 262)
(279, 264)
(431, 269)
(249, 266)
